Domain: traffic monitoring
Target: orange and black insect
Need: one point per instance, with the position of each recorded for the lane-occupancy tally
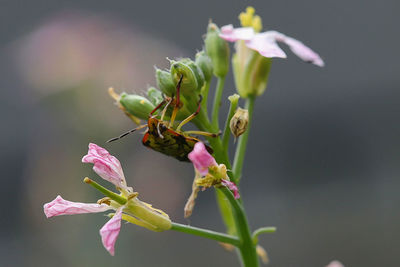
(162, 137)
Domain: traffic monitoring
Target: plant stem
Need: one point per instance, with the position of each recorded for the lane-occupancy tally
(242, 144)
(217, 102)
(232, 108)
(247, 249)
(262, 230)
(206, 233)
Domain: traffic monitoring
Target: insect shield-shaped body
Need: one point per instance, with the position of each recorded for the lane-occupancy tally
(166, 140)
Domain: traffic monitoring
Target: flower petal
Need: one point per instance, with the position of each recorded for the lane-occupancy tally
(60, 206)
(110, 231)
(298, 48)
(231, 187)
(335, 264)
(106, 166)
(231, 34)
(201, 159)
(265, 44)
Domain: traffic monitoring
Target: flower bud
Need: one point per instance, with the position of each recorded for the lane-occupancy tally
(136, 105)
(252, 81)
(218, 50)
(198, 73)
(205, 64)
(239, 121)
(154, 95)
(164, 82)
(189, 82)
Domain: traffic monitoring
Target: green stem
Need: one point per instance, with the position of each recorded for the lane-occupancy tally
(242, 144)
(206, 233)
(247, 249)
(262, 230)
(204, 93)
(232, 108)
(217, 102)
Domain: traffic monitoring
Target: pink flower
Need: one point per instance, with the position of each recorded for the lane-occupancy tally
(60, 206)
(110, 231)
(203, 162)
(126, 204)
(201, 159)
(266, 44)
(106, 166)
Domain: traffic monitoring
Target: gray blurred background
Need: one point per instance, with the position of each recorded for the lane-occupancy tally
(323, 157)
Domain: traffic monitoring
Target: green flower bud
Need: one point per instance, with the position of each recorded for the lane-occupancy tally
(196, 70)
(205, 64)
(154, 95)
(164, 82)
(189, 82)
(136, 105)
(253, 79)
(218, 50)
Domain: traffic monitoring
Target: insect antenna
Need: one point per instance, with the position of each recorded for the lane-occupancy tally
(177, 103)
(126, 133)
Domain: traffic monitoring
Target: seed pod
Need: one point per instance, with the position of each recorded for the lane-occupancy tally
(136, 105)
(164, 82)
(205, 64)
(218, 50)
(154, 95)
(239, 121)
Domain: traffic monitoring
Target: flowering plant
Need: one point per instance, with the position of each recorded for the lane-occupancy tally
(182, 97)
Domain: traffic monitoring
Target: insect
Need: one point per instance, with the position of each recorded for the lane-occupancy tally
(161, 136)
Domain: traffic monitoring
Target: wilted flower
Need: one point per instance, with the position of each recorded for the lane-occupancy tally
(210, 172)
(126, 204)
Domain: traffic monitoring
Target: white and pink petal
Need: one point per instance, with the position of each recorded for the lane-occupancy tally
(231, 34)
(110, 231)
(60, 206)
(231, 186)
(106, 166)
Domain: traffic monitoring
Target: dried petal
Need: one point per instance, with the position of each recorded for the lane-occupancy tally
(60, 206)
(201, 159)
(231, 187)
(106, 166)
(110, 231)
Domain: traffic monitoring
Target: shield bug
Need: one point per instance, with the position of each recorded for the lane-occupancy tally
(161, 136)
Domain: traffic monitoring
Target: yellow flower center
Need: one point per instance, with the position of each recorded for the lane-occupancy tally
(249, 19)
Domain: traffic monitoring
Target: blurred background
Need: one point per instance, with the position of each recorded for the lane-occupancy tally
(323, 158)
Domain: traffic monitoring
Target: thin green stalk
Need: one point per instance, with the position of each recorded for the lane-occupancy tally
(247, 249)
(204, 93)
(262, 230)
(242, 144)
(232, 108)
(217, 102)
(221, 237)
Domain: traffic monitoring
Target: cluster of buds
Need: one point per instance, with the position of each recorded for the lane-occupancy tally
(195, 75)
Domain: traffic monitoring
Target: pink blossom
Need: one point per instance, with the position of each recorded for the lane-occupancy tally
(231, 187)
(266, 43)
(201, 159)
(335, 264)
(106, 166)
(110, 231)
(60, 206)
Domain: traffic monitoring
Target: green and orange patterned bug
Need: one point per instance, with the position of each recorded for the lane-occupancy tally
(162, 137)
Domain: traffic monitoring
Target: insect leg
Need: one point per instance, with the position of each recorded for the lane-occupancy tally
(158, 106)
(177, 103)
(204, 133)
(191, 117)
(126, 133)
